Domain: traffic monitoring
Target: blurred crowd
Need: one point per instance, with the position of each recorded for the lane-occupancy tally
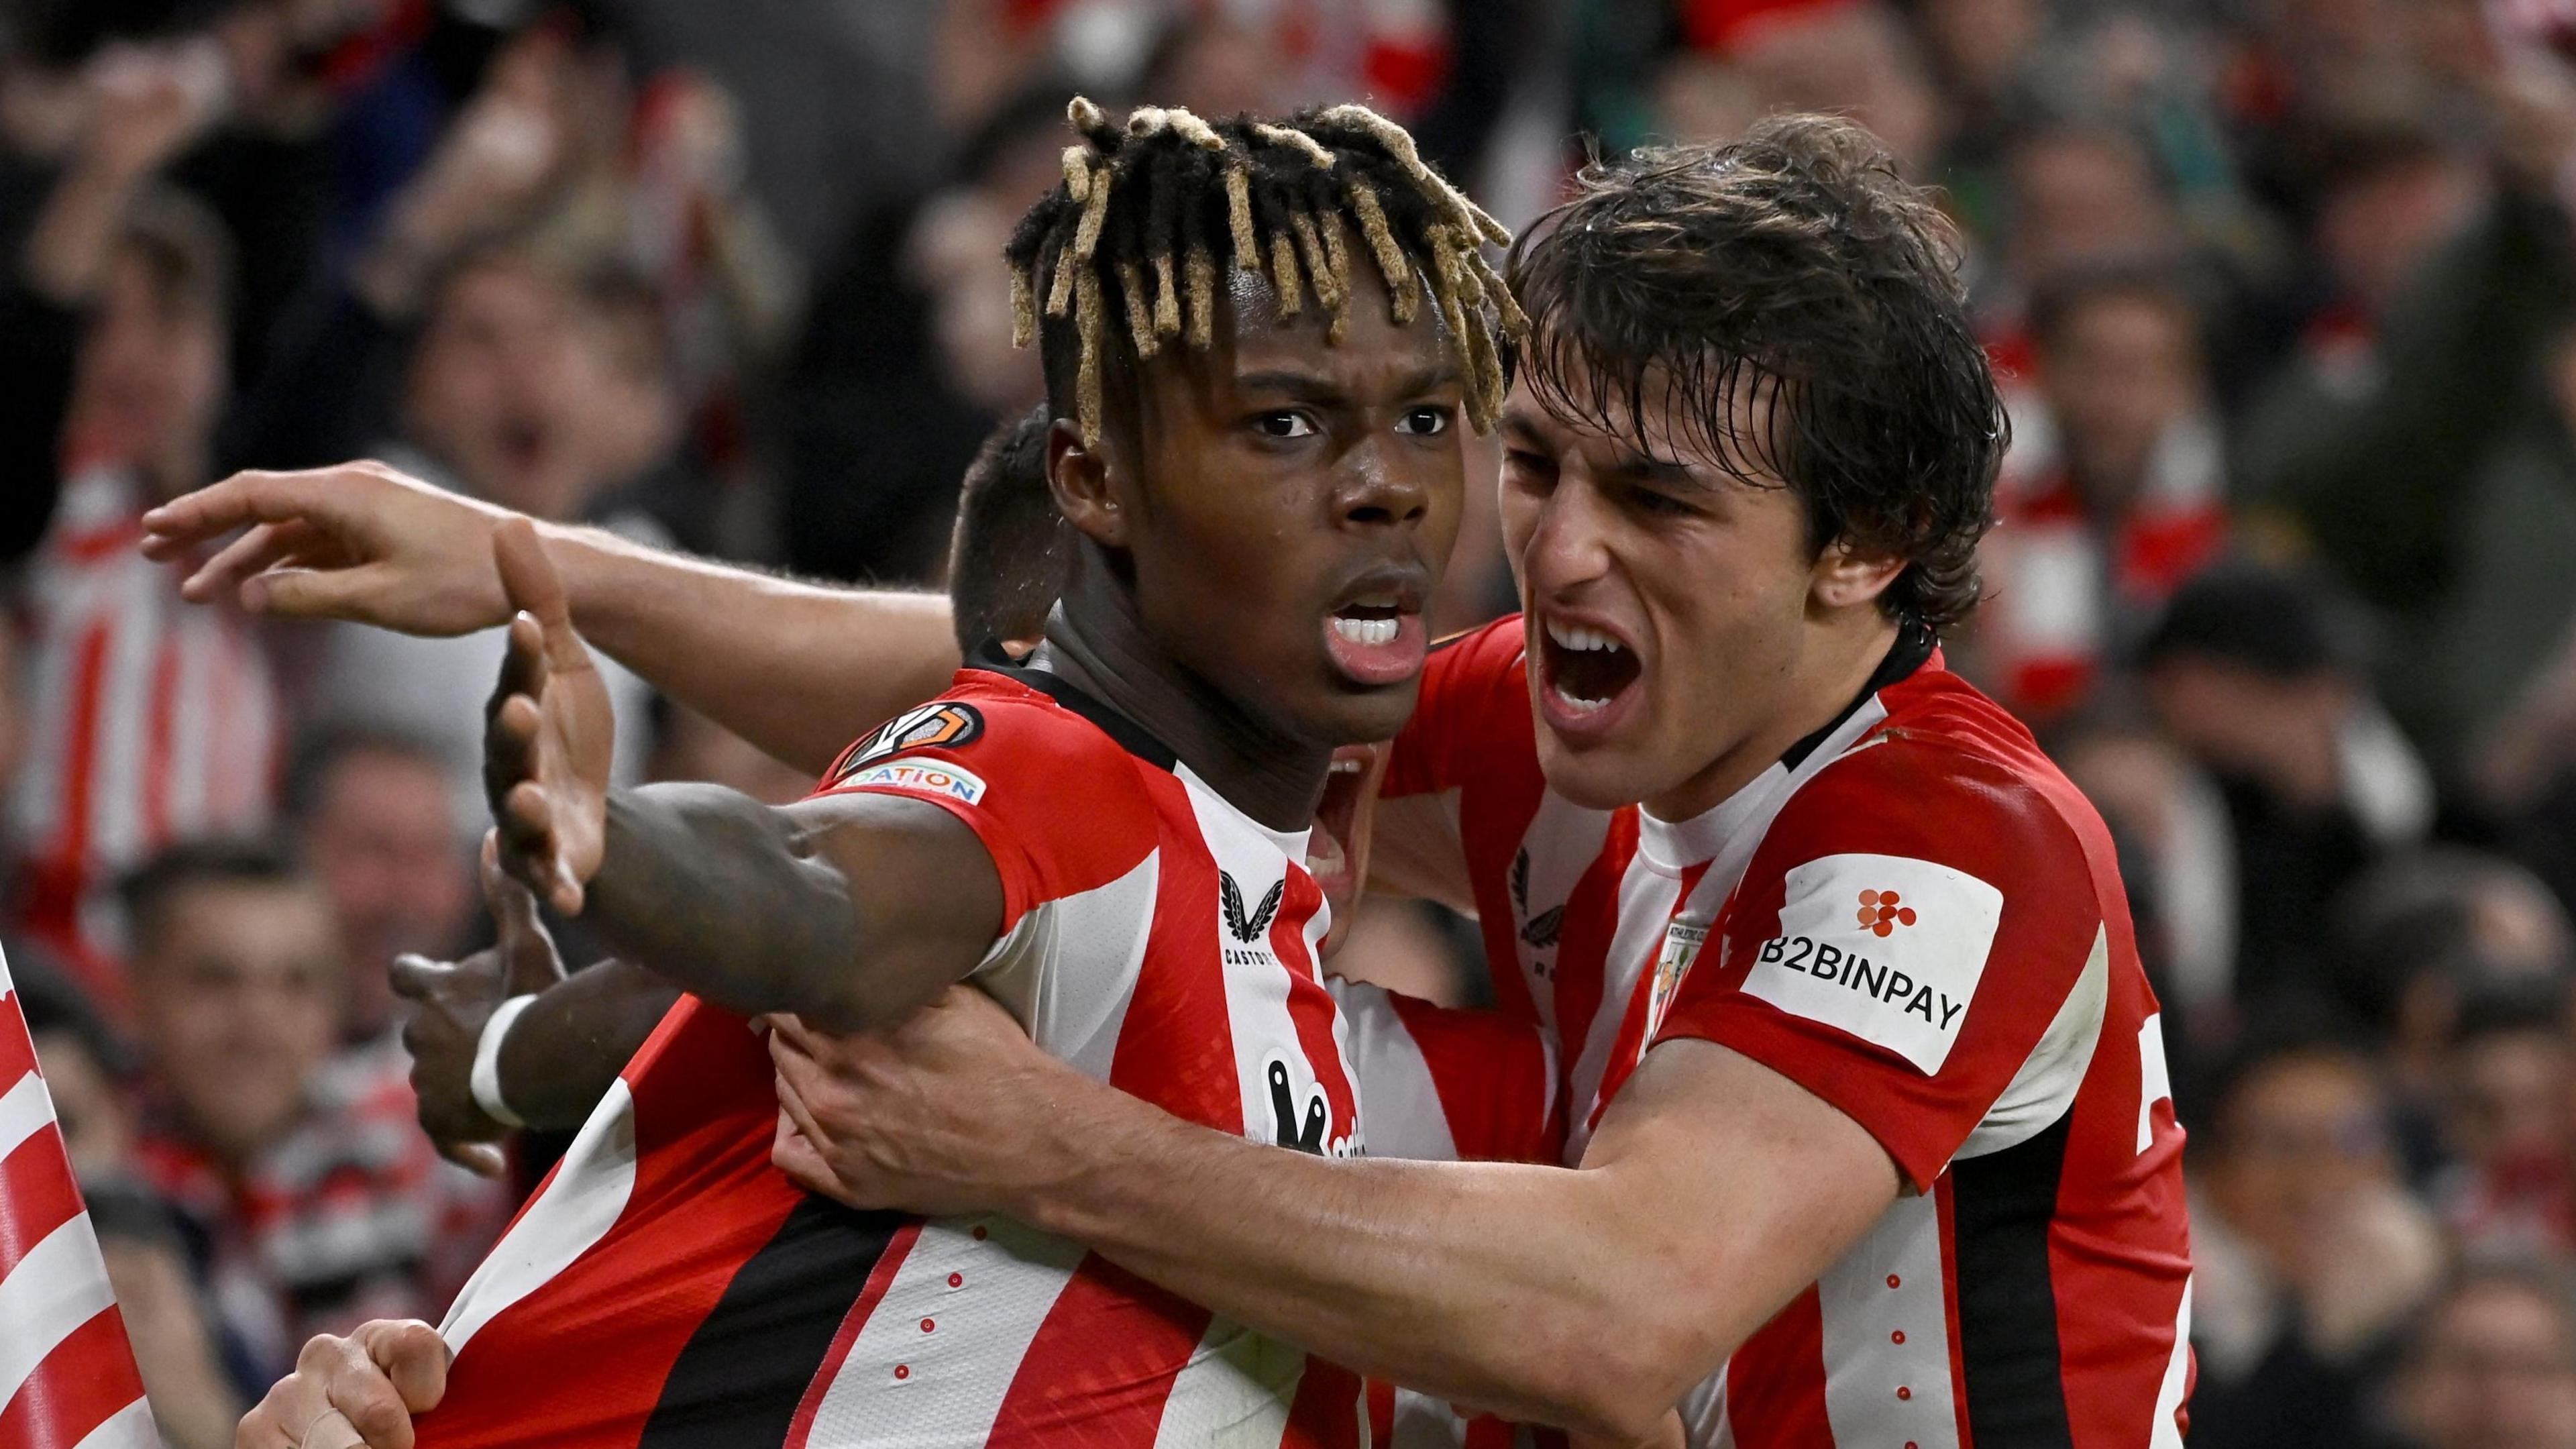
(2284, 292)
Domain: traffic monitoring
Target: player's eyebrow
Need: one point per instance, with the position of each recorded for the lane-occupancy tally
(1633, 467)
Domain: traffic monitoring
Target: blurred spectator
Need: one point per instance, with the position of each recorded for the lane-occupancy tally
(2308, 1254)
(2510, 1124)
(372, 811)
(2492, 1363)
(154, 721)
(2417, 938)
(2115, 491)
(2245, 674)
(87, 1068)
(311, 1199)
(194, 1404)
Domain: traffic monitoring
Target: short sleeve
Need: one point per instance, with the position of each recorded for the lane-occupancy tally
(1472, 717)
(1901, 943)
(1058, 804)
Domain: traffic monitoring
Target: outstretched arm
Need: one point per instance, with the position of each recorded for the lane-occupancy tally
(1713, 1192)
(755, 907)
(798, 669)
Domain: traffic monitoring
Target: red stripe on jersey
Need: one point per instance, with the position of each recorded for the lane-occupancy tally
(1381, 1411)
(1082, 1383)
(1775, 1384)
(37, 1195)
(157, 764)
(1591, 919)
(1492, 1075)
(1310, 1006)
(1176, 1048)
(801, 1428)
(87, 1378)
(1321, 1418)
(17, 1046)
(88, 695)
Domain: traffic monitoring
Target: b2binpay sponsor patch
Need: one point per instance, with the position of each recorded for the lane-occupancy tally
(1885, 947)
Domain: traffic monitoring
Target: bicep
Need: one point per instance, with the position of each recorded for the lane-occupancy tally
(1754, 1184)
(927, 897)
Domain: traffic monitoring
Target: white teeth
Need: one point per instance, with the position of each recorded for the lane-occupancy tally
(1346, 767)
(1578, 638)
(1577, 703)
(1367, 632)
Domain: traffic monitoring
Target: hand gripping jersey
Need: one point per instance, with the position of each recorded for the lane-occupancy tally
(667, 1287)
(1916, 917)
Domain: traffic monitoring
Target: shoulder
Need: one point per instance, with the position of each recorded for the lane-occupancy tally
(1951, 776)
(1472, 716)
(1059, 804)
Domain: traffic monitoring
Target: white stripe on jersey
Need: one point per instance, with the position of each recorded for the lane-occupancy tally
(120, 771)
(1889, 1286)
(2164, 1433)
(1405, 1115)
(1256, 858)
(1076, 1015)
(949, 1393)
(577, 1209)
(2045, 1087)
(1236, 1390)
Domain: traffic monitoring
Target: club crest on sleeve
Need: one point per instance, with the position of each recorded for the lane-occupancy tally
(1887, 948)
(944, 724)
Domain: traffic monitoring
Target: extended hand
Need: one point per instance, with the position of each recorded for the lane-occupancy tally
(955, 1111)
(453, 1000)
(359, 541)
(548, 733)
(358, 1392)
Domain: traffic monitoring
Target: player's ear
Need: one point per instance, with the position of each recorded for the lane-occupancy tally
(1078, 476)
(1846, 575)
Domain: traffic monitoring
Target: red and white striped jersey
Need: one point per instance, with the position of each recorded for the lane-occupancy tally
(1155, 937)
(153, 720)
(1916, 917)
(67, 1376)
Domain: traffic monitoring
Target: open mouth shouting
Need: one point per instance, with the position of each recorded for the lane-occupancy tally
(1375, 636)
(1588, 675)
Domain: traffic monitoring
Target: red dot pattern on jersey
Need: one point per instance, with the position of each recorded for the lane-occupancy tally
(1903, 1392)
(1893, 1280)
(927, 1325)
(902, 1371)
(979, 1235)
(1897, 1337)
(956, 1280)
(1881, 912)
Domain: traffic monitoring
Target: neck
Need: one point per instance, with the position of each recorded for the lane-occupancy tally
(1833, 667)
(1096, 642)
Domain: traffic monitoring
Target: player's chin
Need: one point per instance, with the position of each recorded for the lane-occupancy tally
(1598, 774)
(1348, 712)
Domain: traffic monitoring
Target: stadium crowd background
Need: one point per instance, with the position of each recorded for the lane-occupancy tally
(2286, 573)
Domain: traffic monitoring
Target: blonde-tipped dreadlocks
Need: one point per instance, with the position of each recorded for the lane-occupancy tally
(1148, 212)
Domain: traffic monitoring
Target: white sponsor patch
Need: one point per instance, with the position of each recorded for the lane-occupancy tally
(1885, 947)
(931, 777)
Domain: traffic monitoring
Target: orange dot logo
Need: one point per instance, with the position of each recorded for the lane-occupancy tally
(1881, 912)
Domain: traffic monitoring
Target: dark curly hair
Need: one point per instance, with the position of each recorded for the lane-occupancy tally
(1794, 307)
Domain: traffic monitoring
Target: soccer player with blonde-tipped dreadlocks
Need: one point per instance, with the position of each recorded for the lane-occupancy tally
(1262, 470)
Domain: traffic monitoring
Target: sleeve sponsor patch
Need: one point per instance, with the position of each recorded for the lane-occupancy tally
(1885, 947)
(946, 724)
(929, 777)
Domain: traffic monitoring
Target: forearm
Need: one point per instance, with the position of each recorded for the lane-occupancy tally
(796, 668)
(1509, 1288)
(572, 1041)
(726, 897)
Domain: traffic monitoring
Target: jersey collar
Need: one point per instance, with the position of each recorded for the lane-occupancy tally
(1132, 737)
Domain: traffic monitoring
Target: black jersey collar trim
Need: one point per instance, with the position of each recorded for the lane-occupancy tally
(1912, 648)
(1132, 737)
